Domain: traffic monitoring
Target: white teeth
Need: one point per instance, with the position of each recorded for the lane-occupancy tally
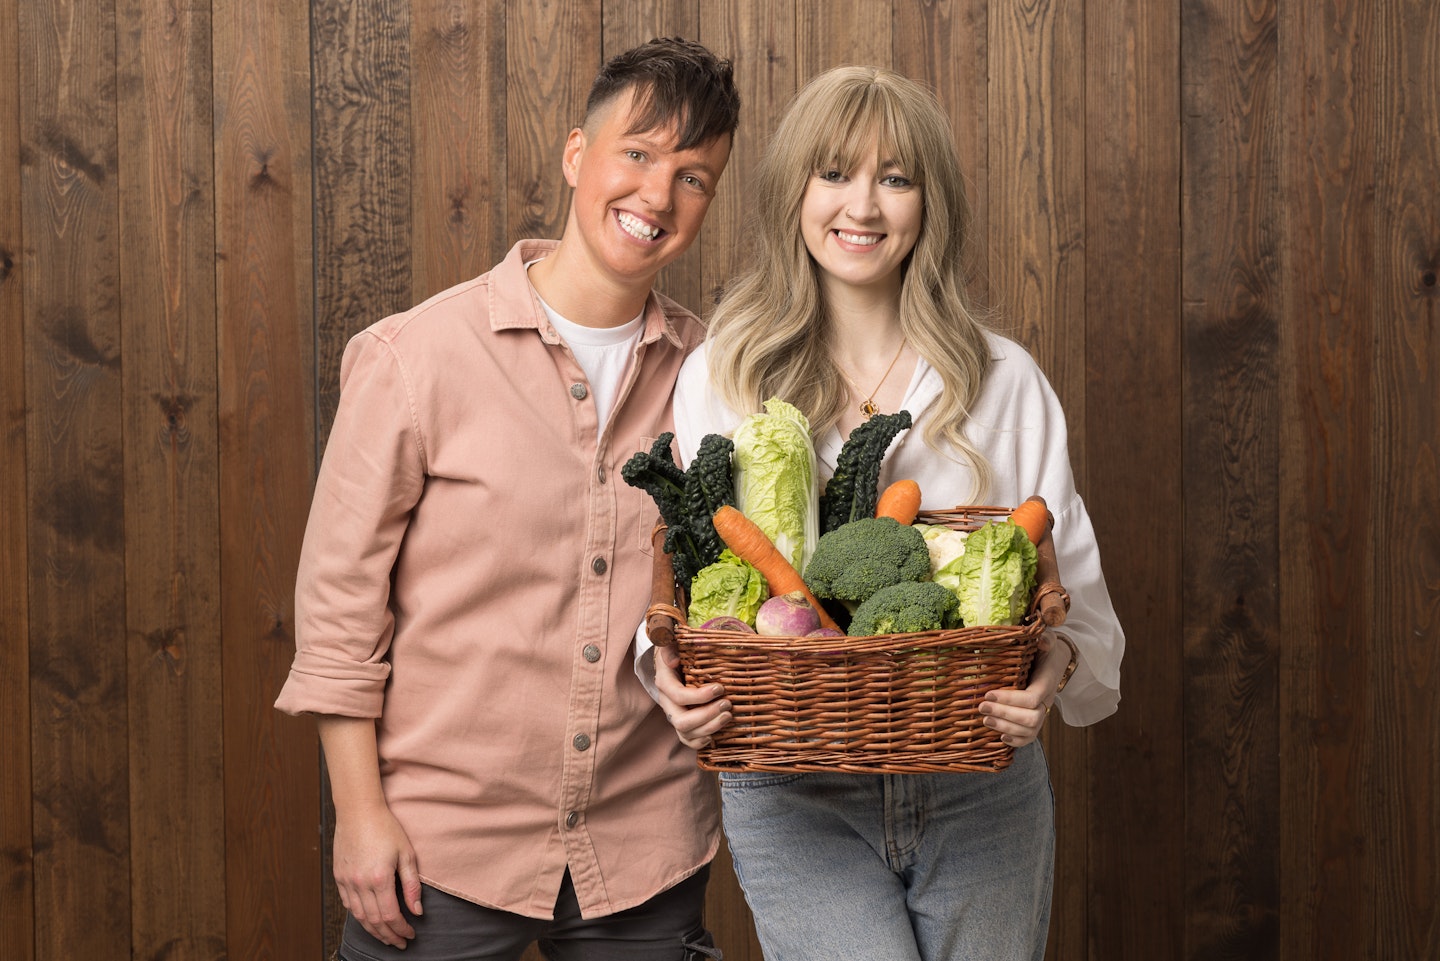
(864, 240)
(637, 228)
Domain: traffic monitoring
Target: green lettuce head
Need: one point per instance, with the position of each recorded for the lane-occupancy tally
(730, 587)
(997, 575)
(775, 486)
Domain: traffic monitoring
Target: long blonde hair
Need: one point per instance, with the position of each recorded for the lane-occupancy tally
(769, 333)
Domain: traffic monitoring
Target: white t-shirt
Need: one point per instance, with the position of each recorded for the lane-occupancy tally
(604, 354)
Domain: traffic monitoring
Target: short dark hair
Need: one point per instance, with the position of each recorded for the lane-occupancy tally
(676, 81)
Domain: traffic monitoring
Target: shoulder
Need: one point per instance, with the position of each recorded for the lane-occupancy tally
(683, 324)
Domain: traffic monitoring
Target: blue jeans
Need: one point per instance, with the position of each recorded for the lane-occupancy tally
(910, 867)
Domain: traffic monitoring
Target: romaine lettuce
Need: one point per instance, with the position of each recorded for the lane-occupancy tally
(997, 575)
(730, 587)
(775, 484)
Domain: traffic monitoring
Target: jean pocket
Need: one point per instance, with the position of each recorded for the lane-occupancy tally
(736, 780)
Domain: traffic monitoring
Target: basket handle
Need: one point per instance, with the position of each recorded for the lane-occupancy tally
(1052, 601)
(663, 615)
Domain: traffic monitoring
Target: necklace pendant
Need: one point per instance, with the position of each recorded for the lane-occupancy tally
(869, 409)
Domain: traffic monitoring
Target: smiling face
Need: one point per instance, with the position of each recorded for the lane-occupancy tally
(861, 224)
(638, 202)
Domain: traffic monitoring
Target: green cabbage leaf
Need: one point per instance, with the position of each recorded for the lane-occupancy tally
(730, 586)
(775, 483)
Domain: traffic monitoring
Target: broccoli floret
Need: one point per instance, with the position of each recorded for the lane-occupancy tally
(857, 559)
(708, 487)
(906, 608)
(854, 488)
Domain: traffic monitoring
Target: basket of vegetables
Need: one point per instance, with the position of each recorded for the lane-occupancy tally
(851, 632)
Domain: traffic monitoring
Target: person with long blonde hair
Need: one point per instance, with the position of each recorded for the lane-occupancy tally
(855, 303)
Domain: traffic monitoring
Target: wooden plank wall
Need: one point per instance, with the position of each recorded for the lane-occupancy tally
(1215, 223)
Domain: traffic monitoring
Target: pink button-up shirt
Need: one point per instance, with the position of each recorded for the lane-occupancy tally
(472, 576)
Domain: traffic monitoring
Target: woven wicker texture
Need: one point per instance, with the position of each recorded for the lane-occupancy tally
(891, 704)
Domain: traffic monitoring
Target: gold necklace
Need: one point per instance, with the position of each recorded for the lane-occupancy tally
(867, 406)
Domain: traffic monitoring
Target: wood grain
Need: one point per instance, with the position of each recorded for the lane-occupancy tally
(75, 481)
(552, 52)
(266, 404)
(459, 180)
(1402, 816)
(842, 32)
(362, 152)
(1232, 238)
(1132, 897)
(1327, 471)
(759, 40)
(172, 541)
(17, 859)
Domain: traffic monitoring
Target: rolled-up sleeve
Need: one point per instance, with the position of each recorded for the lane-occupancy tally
(370, 479)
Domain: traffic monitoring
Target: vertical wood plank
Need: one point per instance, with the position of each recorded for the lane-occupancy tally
(1231, 217)
(266, 396)
(759, 40)
(460, 178)
(75, 481)
(842, 32)
(1326, 479)
(360, 99)
(626, 23)
(1405, 798)
(167, 270)
(552, 51)
(360, 103)
(946, 45)
(1130, 894)
(1037, 189)
(17, 858)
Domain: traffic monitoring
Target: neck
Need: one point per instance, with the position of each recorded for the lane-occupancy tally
(583, 294)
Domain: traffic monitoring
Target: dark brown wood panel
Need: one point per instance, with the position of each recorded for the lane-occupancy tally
(17, 879)
(459, 172)
(759, 40)
(264, 284)
(75, 482)
(1131, 895)
(1326, 477)
(1231, 223)
(172, 541)
(551, 52)
(844, 31)
(1405, 863)
(362, 154)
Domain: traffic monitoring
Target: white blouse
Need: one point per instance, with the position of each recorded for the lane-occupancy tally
(1019, 427)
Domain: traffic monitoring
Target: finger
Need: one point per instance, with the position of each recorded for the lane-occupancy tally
(410, 882)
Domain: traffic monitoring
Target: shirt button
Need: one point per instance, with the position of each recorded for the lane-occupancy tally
(572, 819)
(582, 742)
(578, 391)
(592, 653)
(598, 565)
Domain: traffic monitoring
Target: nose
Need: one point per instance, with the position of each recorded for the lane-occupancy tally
(657, 189)
(860, 201)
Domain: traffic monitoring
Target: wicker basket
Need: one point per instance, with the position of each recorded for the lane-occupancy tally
(890, 704)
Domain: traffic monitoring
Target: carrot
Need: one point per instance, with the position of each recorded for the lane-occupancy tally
(749, 543)
(1034, 516)
(901, 500)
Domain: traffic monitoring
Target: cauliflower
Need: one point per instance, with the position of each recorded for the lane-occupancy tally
(906, 608)
(860, 557)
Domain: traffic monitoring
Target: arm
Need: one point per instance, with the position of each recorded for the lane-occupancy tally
(371, 848)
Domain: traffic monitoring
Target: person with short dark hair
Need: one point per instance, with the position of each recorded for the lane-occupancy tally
(474, 569)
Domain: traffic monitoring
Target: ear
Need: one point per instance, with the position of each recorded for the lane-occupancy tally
(570, 159)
